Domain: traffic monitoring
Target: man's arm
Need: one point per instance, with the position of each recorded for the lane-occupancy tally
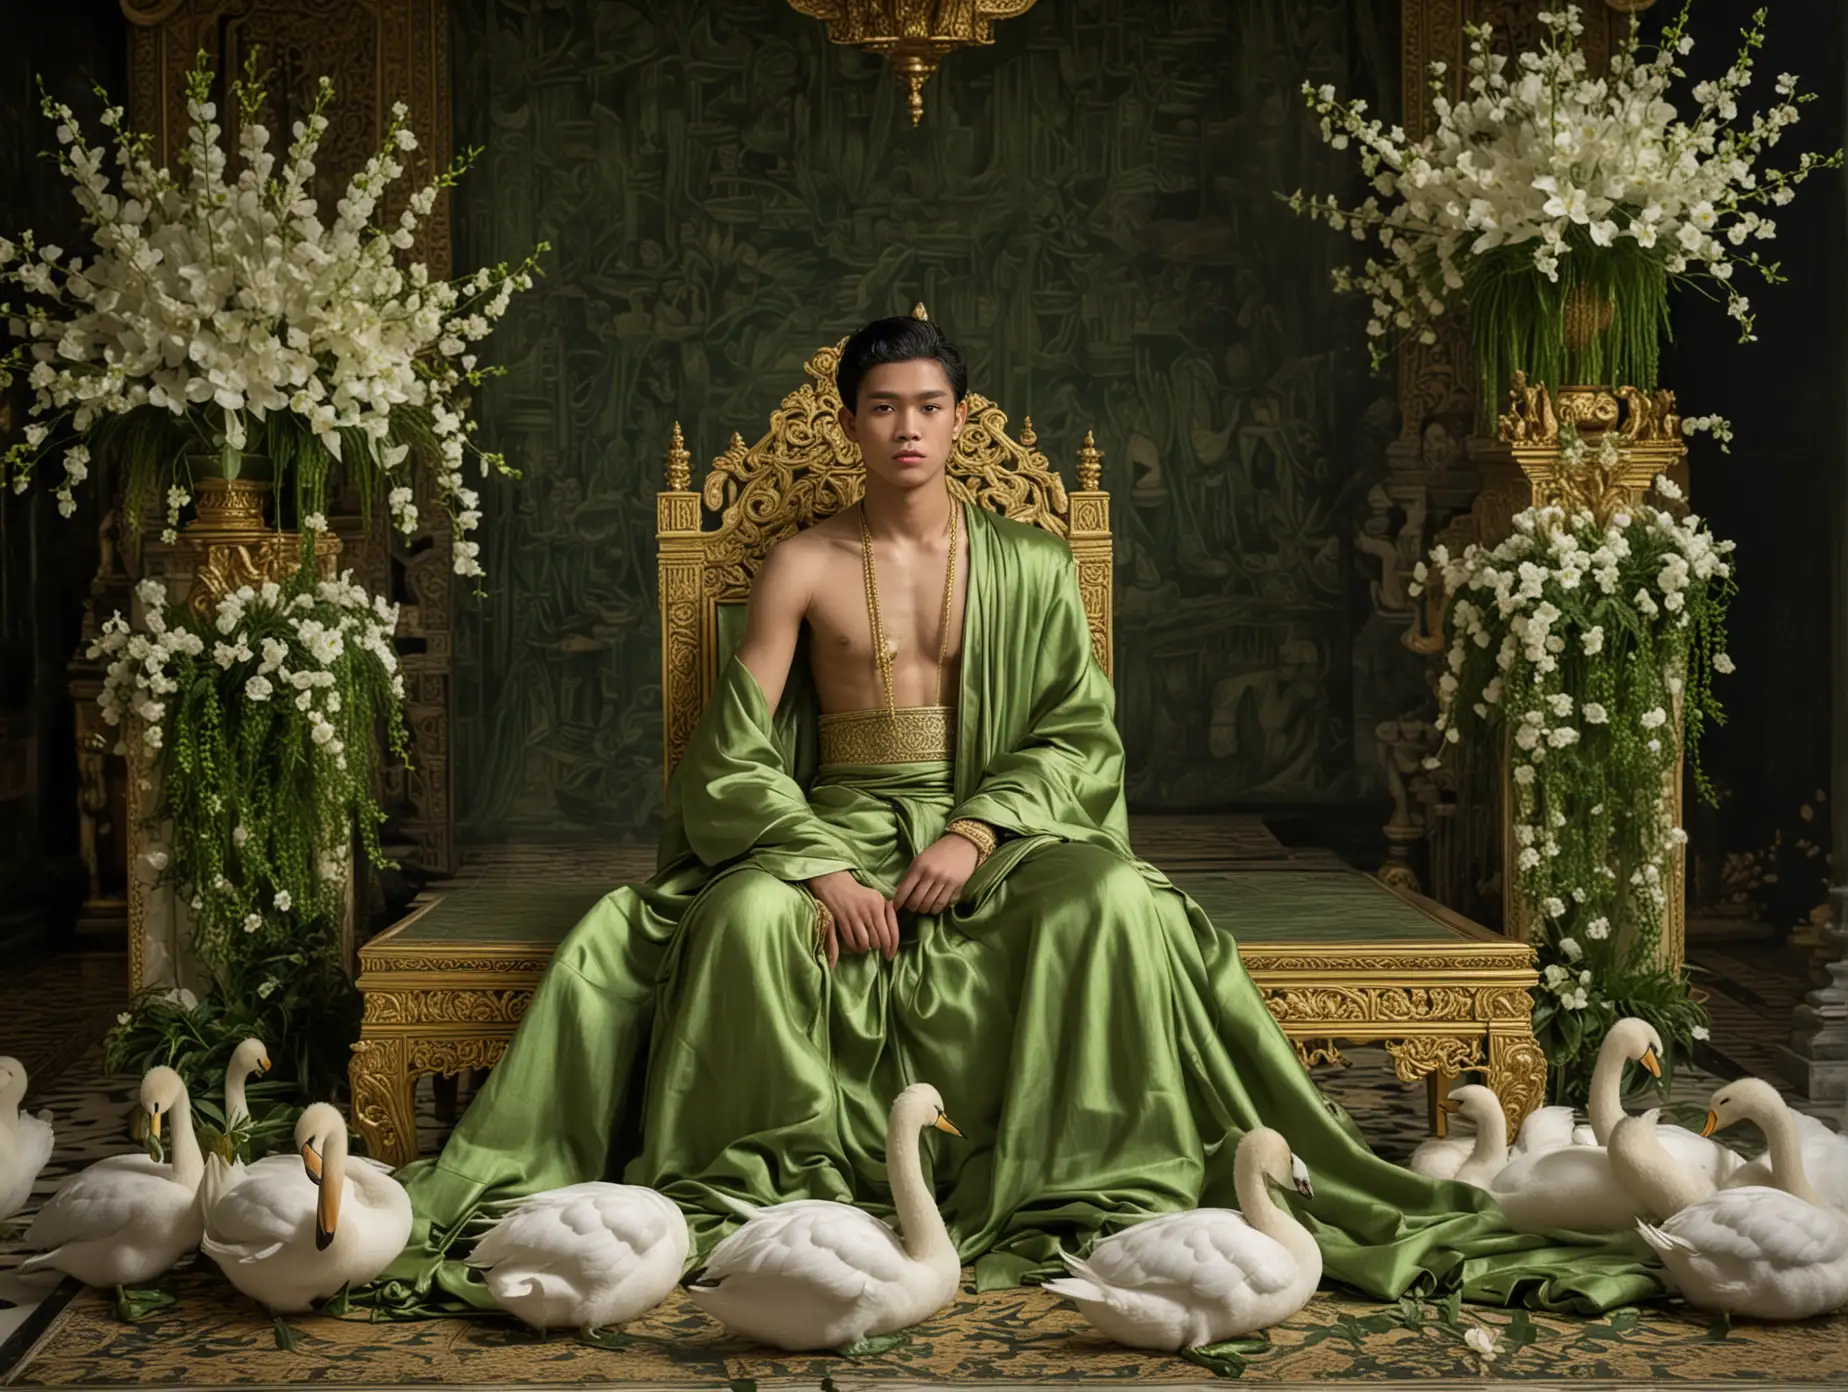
(773, 619)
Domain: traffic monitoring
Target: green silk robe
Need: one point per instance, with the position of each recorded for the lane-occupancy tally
(1091, 1032)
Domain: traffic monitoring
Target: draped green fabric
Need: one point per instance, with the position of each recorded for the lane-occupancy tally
(1092, 1033)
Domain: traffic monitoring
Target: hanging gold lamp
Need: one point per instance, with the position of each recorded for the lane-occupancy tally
(915, 35)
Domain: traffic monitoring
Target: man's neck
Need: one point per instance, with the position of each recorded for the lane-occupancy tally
(915, 515)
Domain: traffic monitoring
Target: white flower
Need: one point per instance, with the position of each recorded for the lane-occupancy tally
(1598, 929)
(1552, 906)
(124, 1018)
(252, 922)
(1571, 949)
(283, 900)
(1722, 663)
(181, 997)
(157, 860)
(1483, 1342)
(239, 835)
(1593, 640)
(258, 688)
(1654, 719)
(314, 522)
(1595, 714)
(1702, 1032)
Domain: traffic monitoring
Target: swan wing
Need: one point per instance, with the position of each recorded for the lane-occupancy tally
(106, 1198)
(1756, 1224)
(1203, 1253)
(833, 1246)
(617, 1224)
(1440, 1159)
(1546, 1128)
(1699, 1152)
(270, 1206)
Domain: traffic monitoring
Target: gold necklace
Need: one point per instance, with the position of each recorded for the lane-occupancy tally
(884, 649)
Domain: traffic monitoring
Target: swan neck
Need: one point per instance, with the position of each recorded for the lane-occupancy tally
(188, 1161)
(1786, 1149)
(1605, 1103)
(10, 1097)
(234, 1099)
(1491, 1136)
(1653, 1175)
(920, 1224)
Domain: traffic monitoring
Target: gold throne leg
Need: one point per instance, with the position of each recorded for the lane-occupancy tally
(384, 1106)
(1516, 1069)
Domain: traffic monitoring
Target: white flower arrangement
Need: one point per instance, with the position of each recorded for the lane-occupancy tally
(1542, 170)
(227, 310)
(1586, 643)
(261, 716)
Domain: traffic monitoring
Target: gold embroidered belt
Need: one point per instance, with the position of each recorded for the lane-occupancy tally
(909, 735)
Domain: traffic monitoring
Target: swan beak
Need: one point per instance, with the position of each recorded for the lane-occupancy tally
(943, 1123)
(154, 1123)
(1305, 1188)
(263, 1067)
(326, 1216)
(1448, 1105)
(311, 1161)
(1651, 1062)
(1713, 1124)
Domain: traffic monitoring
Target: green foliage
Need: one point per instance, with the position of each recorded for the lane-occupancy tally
(1518, 317)
(264, 717)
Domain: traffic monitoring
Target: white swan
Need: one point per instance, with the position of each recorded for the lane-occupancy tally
(298, 1227)
(588, 1256)
(127, 1219)
(1825, 1162)
(1473, 1159)
(224, 1165)
(1757, 1251)
(1570, 1188)
(1633, 1040)
(1209, 1274)
(25, 1141)
(814, 1274)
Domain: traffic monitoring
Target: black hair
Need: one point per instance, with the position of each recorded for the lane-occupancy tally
(895, 340)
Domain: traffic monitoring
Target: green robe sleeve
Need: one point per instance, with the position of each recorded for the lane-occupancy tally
(736, 791)
(1053, 762)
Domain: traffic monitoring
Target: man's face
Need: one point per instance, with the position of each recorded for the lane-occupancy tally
(907, 421)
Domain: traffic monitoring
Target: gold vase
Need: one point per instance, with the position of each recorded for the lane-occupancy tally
(231, 542)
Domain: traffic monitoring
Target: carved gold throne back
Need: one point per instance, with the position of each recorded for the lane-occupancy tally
(804, 469)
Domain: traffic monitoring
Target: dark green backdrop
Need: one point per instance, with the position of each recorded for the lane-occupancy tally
(1088, 208)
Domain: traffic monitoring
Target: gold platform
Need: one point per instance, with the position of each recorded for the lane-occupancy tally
(1337, 955)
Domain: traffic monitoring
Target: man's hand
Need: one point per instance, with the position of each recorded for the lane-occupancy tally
(864, 919)
(937, 876)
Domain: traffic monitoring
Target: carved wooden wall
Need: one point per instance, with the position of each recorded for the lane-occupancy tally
(1448, 481)
(377, 52)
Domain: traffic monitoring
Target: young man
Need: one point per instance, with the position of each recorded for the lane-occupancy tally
(905, 859)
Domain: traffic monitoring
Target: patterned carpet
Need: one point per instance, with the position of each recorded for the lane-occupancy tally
(1009, 1337)
(53, 1334)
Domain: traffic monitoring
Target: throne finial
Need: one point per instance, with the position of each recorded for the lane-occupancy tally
(679, 464)
(1090, 463)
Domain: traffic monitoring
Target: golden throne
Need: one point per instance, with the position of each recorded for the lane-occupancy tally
(1336, 954)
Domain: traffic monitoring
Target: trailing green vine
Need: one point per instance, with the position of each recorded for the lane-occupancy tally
(1587, 644)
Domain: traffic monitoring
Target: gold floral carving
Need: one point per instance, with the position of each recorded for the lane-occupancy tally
(1419, 1054)
(803, 469)
(476, 1007)
(1517, 1073)
(1315, 1052)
